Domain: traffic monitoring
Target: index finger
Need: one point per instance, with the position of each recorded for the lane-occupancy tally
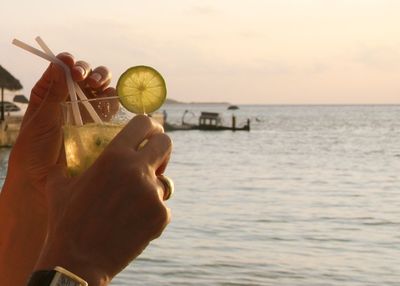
(99, 78)
(141, 127)
(79, 69)
(157, 151)
(67, 59)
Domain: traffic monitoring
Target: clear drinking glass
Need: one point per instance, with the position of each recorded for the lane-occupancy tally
(84, 141)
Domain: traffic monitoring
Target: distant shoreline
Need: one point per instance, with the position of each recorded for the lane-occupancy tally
(172, 101)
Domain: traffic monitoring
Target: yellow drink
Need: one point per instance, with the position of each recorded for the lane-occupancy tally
(83, 144)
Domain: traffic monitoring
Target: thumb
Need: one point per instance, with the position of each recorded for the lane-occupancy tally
(47, 94)
(56, 175)
(52, 80)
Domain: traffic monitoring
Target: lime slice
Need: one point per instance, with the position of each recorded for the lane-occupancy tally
(141, 89)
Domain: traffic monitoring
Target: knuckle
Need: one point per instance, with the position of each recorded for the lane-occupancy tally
(139, 174)
(111, 91)
(167, 141)
(66, 58)
(105, 74)
(157, 126)
(164, 139)
(143, 120)
(103, 70)
(148, 123)
(83, 64)
(161, 216)
(64, 55)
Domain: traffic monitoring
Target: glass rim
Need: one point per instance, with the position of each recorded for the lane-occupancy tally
(68, 102)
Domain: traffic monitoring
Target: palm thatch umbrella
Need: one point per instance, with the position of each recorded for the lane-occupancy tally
(7, 81)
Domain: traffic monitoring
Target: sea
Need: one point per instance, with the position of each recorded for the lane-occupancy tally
(310, 196)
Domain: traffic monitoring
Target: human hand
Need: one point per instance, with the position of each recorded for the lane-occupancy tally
(104, 218)
(39, 143)
(23, 208)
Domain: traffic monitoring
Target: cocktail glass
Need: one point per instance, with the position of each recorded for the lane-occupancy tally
(85, 140)
(90, 124)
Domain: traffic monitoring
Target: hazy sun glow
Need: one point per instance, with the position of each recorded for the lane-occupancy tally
(254, 51)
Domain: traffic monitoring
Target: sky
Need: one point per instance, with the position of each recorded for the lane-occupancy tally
(237, 51)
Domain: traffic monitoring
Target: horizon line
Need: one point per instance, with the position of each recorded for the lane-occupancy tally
(285, 104)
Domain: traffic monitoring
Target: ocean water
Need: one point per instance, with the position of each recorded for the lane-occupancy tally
(310, 196)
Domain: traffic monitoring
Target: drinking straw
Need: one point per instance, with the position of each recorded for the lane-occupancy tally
(78, 89)
(71, 88)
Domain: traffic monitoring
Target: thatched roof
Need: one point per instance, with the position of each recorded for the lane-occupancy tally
(7, 81)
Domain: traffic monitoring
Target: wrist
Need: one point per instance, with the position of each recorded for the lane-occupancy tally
(53, 256)
(58, 276)
(89, 275)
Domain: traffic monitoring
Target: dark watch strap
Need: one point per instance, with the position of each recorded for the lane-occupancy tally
(41, 278)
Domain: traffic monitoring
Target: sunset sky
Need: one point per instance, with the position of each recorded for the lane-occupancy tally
(253, 51)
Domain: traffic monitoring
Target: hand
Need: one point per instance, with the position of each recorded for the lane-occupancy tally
(103, 219)
(40, 141)
(23, 208)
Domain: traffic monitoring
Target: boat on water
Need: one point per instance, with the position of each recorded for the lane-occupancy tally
(210, 121)
(233, 107)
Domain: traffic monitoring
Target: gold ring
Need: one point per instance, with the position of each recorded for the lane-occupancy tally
(168, 186)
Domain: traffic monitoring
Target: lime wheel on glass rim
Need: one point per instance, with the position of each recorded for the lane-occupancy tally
(141, 89)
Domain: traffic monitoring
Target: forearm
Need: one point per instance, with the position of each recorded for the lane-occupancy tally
(22, 232)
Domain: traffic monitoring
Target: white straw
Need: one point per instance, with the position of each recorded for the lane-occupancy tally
(33, 50)
(45, 48)
(78, 90)
(87, 104)
(71, 89)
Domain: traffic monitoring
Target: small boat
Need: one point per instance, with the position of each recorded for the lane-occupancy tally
(233, 107)
(207, 121)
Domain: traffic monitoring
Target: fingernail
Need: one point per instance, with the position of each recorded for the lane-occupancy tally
(96, 76)
(81, 70)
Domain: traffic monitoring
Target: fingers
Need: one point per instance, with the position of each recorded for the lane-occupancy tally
(141, 127)
(50, 88)
(112, 104)
(161, 169)
(80, 71)
(167, 187)
(99, 78)
(152, 156)
(67, 59)
(157, 151)
(109, 91)
(52, 77)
